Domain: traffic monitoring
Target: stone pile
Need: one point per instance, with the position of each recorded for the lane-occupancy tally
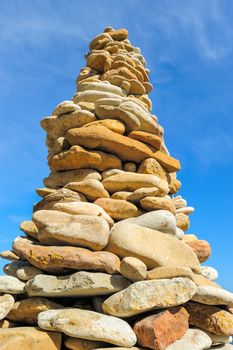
(106, 261)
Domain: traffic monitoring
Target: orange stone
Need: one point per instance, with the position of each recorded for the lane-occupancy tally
(146, 137)
(201, 248)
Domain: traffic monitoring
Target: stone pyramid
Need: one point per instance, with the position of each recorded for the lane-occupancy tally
(105, 261)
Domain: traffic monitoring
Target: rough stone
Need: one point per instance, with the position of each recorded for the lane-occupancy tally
(9, 255)
(133, 269)
(11, 285)
(201, 248)
(43, 192)
(147, 138)
(152, 167)
(157, 203)
(183, 221)
(209, 272)
(92, 189)
(111, 124)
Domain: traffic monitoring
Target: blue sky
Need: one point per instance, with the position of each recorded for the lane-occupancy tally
(188, 46)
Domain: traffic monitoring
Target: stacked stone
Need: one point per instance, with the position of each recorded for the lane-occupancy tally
(105, 260)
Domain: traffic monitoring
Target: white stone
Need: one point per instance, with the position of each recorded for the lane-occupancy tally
(209, 272)
(12, 285)
(6, 304)
(213, 296)
(194, 339)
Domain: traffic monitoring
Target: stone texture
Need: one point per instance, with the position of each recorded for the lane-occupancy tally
(147, 295)
(183, 221)
(152, 167)
(143, 192)
(82, 344)
(27, 310)
(7, 324)
(11, 285)
(210, 318)
(29, 228)
(118, 209)
(209, 272)
(101, 138)
(59, 259)
(147, 138)
(9, 255)
(201, 248)
(151, 246)
(78, 284)
(133, 269)
(21, 269)
(88, 325)
(157, 203)
(79, 158)
(213, 296)
(92, 189)
(111, 124)
(29, 338)
(58, 228)
(61, 178)
(6, 304)
(43, 192)
(219, 339)
(193, 339)
(160, 330)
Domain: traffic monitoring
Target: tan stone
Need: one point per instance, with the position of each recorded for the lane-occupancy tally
(118, 209)
(111, 172)
(189, 237)
(154, 203)
(162, 329)
(126, 181)
(130, 166)
(213, 296)
(65, 107)
(101, 138)
(61, 178)
(62, 195)
(210, 318)
(82, 344)
(78, 158)
(78, 284)
(58, 259)
(183, 221)
(92, 189)
(201, 248)
(9, 255)
(29, 338)
(7, 324)
(99, 86)
(29, 228)
(82, 208)
(120, 34)
(58, 228)
(121, 195)
(88, 325)
(11, 285)
(111, 124)
(43, 192)
(99, 60)
(6, 304)
(133, 269)
(21, 269)
(152, 247)
(87, 72)
(142, 192)
(194, 339)
(169, 163)
(99, 42)
(147, 295)
(147, 138)
(27, 310)
(151, 166)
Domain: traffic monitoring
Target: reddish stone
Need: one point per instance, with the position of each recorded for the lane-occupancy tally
(162, 329)
(202, 249)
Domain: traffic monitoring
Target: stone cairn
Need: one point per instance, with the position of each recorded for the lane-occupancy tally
(105, 261)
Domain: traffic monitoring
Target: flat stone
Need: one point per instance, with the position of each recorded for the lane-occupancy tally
(88, 325)
(101, 138)
(82, 208)
(6, 304)
(169, 163)
(61, 178)
(93, 95)
(213, 296)
(7, 324)
(78, 284)
(147, 138)
(193, 339)
(111, 124)
(160, 330)
(103, 86)
(210, 318)
(27, 310)
(201, 248)
(179, 202)
(189, 237)
(133, 269)
(29, 228)
(59, 196)
(151, 166)
(43, 192)
(82, 344)
(9, 255)
(121, 195)
(29, 338)
(111, 172)
(219, 339)
(58, 228)
(119, 34)
(157, 203)
(209, 272)
(159, 220)
(65, 107)
(118, 209)
(58, 259)
(11, 285)
(152, 247)
(126, 181)
(186, 210)
(183, 221)
(143, 192)
(21, 269)
(79, 158)
(223, 347)
(147, 295)
(92, 189)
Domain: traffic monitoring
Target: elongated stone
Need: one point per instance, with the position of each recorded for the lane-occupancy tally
(78, 284)
(92, 189)
(9, 255)
(213, 296)
(88, 325)
(6, 304)
(154, 203)
(118, 209)
(147, 295)
(194, 339)
(61, 178)
(82, 344)
(11, 285)
(133, 269)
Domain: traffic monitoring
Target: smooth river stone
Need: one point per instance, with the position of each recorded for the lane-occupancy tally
(9, 255)
(219, 339)
(118, 209)
(101, 138)
(61, 178)
(160, 330)
(210, 318)
(82, 344)
(29, 338)
(142, 192)
(82, 208)
(6, 304)
(157, 203)
(78, 284)
(27, 310)
(147, 138)
(151, 166)
(58, 259)
(58, 228)
(154, 248)
(65, 107)
(194, 339)
(89, 325)
(201, 248)
(11, 285)
(213, 296)
(147, 295)
(90, 188)
(209, 272)
(79, 158)
(126, 181)
(21, 269)
(111, 124)
(29, 228)
(133, 269)
(44, 191)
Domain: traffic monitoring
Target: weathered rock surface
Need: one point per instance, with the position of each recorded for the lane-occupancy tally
(88, 325)
(118, 209)
(157, 203)
(201, 248)
(213, 296)
(209, 272)
(61, 178)
(92, 189)
(11, 285)
(147, 295)
(193, 339)
(9, 255)
(133, 269)
(6, 304)
(29, 228)
(82, 344)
